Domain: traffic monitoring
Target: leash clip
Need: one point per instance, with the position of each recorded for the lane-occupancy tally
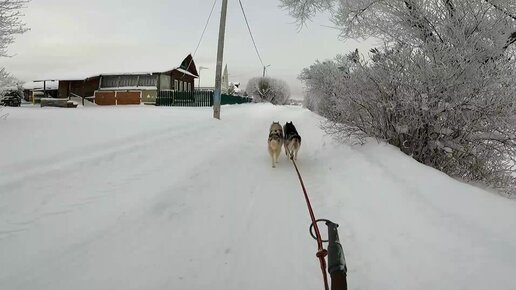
(327, 222)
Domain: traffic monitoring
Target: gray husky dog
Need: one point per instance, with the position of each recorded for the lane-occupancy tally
(292, 140)
(275, 141)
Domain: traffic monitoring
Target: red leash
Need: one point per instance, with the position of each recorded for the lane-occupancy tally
(321, 252)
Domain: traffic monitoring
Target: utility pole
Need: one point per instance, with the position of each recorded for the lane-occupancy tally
(264, 68)
(220, 56)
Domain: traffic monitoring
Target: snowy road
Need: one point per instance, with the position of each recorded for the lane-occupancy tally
(168, 198)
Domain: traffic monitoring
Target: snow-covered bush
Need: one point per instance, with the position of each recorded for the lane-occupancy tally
(442, 88)
(324, 81)
(270, 90)
(7, 81)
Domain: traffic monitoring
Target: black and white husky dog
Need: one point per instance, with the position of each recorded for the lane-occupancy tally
(292, 140)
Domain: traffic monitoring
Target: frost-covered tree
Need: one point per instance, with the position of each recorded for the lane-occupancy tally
(324, 82)
(10, 25)
(10, 22)
(268, 89)
(442, 88)
(7, 80)
(413, 21)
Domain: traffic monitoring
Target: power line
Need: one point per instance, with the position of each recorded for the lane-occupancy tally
(250, 33)
(203, 32)
(205, 26)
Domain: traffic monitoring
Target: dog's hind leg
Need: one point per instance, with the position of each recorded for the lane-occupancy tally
(275, 155)
(271, 153)
(290, 154)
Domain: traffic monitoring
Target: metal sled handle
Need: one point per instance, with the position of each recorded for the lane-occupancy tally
(312, 226)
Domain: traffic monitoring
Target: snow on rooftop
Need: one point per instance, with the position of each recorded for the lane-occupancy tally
(77, 77)
(128, 74)
(185, 72)
(144, 88)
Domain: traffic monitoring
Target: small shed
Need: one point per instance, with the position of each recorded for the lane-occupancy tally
(41, 89)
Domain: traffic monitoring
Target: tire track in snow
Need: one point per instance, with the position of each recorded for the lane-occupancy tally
(79, 158)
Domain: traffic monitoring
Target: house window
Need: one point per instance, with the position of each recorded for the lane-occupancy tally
(148, 80)
(176, 85)
(189, 87)
(110, 81)
(128, 81)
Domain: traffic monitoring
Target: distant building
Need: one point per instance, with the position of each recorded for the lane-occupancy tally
(130, 88)
(40, 88)
(234, 89)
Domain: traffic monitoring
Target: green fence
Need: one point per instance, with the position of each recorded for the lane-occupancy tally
(196, 99)
(232, 100)
(185, 99)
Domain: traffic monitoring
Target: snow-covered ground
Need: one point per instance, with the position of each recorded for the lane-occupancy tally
(144, 197)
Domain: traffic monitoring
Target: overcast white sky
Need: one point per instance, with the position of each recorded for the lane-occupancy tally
(77, 38)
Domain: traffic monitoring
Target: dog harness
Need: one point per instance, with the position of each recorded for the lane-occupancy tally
(274, 136)
(292, 135)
